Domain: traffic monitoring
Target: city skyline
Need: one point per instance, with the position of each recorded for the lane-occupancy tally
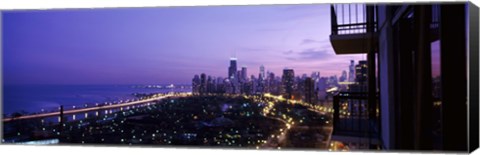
(255, 77)
(165, 45)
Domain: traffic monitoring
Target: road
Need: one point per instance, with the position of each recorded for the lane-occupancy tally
(74, 111)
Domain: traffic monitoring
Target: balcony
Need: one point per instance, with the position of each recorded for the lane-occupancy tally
(352, 123)
(350, 29)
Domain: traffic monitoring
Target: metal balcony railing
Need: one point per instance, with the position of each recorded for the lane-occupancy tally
(351, 116)
(349, 19)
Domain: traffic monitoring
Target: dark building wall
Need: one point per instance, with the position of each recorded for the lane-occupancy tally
(288, 79)
(454, 76)
(386, 76)
(474, 78)
(232, 69)
(310, 93)
(405, 76)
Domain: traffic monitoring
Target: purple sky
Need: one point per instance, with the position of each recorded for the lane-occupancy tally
(165, 44)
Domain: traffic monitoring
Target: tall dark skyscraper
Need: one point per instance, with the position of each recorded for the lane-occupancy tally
(232, 69)
(351, 72)
(196, 84)
(361, 72)
(238, 76)
(244, 74)
(262, 72)
(288, 79)
(210, 84)
(309, 91)
(203, 84)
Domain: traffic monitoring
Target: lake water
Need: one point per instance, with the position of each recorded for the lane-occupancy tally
(34, 98)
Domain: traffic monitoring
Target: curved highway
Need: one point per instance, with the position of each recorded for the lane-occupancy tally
(74, 111)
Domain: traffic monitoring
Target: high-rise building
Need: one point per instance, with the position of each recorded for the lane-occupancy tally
(309, 92)
(262, 72)
(220, 85)
(322, 88)
(210, 84)
(343, 78)
(203, 84)
(228, 86)
(351, 71)
(361, 72)
(196, 84)
(239, 76)
(244, 74)
(288, 79)
(232, 69)
(270, 83)
(332, 81)
(260, 85)
(315, 75)
(304, 76)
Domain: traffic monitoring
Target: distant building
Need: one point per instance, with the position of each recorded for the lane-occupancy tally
(351, 72)
(270, 83)
(361, 72)
(260, 85)
(210, 85)
(315, 75)
(309, 92)
(304, 76)
(288, 78)
(244, 74)
(228, 86)
(203, 84)
(220, 85)
(322, 88)
(343, 78)
(196, 84)
(262, 72)
(332, 81)
(232, 69)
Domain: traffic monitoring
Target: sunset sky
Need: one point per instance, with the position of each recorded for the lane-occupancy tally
(165, 44)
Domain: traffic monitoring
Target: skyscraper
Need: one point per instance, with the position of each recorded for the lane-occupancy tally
(203, 84)
(304, 76)
(288, 79)
(239, 76)
(210, 84)
(232, 69)
(361, 72)
(270, 84)
(351, 72)
(244, 74)
(196, 84)
(332, 81)
(309, 91)
(262, 72)
(315, 75)
(343, 78)
(322, 88)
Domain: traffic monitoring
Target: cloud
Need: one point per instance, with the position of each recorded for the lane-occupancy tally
(312, 54)
(309, 41)
(315, 54)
